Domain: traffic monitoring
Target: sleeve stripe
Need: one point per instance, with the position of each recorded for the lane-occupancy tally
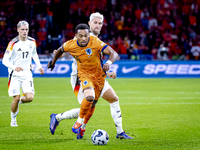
(10, 46)
(63, 49)
(104, 48)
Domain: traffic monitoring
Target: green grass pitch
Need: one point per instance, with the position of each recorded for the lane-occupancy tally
(161, 114)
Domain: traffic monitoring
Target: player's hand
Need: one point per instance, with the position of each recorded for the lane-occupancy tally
(106, 67)
(49, 65)
(111, 75)
(18, 69)
(41, 71)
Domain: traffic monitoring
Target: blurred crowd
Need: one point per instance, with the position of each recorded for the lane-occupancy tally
(160, 29)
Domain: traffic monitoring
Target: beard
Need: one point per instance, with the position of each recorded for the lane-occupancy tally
(96, 32)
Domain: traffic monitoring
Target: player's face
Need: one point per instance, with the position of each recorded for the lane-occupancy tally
(23, 32)
(82, 37)
(96, 25)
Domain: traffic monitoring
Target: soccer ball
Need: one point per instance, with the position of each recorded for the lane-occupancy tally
(100, 137)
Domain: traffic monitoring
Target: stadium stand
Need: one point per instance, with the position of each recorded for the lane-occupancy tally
(135, 29)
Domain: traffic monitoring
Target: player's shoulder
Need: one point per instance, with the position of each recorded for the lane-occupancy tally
(14, 40)
(93, 37)
(96, 40)
(70, 42)
(30, 39)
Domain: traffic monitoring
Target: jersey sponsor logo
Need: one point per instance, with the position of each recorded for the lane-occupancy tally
(19, 49)
(172, 69)
(128, 70)
(88, 51)
(85, 82)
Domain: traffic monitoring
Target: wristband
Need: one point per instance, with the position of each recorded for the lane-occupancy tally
(109, 62)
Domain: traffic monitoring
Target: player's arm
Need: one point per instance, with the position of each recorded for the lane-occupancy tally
(63, 55)
(37, 61)
(112, 57)
(57, 55)
(7, 63)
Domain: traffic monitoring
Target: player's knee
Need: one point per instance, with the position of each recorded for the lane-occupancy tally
(90, 98)
(29, 98)
(114, 99)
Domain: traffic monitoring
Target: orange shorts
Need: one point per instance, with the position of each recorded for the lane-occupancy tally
(96, 83)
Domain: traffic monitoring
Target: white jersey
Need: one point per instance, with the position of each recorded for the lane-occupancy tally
(19, 54)
(74, 64)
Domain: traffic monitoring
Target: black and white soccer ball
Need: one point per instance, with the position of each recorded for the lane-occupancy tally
(100, 137)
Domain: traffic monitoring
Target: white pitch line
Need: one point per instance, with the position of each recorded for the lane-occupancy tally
(159, 97)
(133, 92)
(183, 103)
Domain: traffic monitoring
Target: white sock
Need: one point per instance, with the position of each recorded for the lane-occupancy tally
(20, 100)
(14, 115)
(83, 126)
(71, 114)
(80, 120)
(116, 115)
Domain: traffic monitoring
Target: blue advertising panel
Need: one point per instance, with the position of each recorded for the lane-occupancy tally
(129, 69)
(151, 69)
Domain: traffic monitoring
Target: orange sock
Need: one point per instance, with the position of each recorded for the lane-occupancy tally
(85, 106)
(88, 115)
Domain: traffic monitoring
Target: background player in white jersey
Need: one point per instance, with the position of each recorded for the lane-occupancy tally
(95, 23)
(18, 58)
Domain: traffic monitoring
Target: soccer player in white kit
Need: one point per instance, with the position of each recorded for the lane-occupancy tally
(18, 57)
(95, 23)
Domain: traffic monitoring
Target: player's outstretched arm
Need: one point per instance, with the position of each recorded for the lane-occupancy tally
(37, 61)
(58, 53)
(112, 57)
(63, 55)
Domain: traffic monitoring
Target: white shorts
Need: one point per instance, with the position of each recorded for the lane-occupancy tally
(17, 82)
(76, 86)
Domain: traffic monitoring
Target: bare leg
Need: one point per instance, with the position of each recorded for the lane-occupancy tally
(27, 98)
(14, 105)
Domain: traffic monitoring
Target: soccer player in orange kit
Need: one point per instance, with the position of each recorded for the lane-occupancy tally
(108, 93)
(87, 50)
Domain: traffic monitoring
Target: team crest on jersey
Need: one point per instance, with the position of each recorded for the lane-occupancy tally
(85, 82)
(30, 46)
(88, 51)
(7, 51)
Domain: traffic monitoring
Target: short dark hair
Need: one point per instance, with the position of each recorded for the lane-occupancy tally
(81, 26)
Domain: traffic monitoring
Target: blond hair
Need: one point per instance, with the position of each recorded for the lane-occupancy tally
(23, 22)
(96, 14)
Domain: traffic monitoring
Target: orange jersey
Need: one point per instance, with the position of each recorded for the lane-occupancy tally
(88, 58)
(90, 71)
